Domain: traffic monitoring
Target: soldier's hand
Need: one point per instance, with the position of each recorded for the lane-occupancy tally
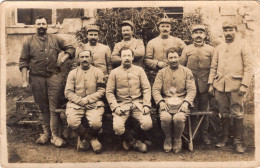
(118, 111)
(90, 106)
(211, 90)
(146, 110)
(184, 107)
(62, 60)
(242, 90)
(25, 84)
(162, 64)
(84, 101)
(163, 106)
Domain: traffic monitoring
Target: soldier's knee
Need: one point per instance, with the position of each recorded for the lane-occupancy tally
(179, 117)
(73, 124)
(95, 125)
(165, 117)
(147, 124)
(119, 129)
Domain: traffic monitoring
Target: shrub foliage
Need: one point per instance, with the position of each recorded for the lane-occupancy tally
(145, 21)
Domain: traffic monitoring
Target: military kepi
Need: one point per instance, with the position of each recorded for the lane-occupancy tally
(165, 20)
(229, 24)
(198, 27)
(92, 27)
(127, 23)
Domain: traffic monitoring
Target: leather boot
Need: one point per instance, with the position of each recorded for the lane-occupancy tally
(84, 133)
(129, 141)
(167, 130)
(226, 124)
(204, 131)
(45, 137)
(178, 130)
(238, 130)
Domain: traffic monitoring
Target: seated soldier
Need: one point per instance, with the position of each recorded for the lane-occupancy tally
(84, 89)
(128, 93)
(174, 91)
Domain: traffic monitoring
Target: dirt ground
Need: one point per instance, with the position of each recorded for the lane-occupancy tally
(22, 148)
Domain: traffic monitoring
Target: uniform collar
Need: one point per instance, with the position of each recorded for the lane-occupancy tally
(199, 45)
(43, 38)
(90, 67)
(122, 67)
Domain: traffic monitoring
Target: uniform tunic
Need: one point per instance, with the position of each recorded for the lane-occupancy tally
(180, 79)
(101, 57)
(232, 66)
(136, 45)
(85, 83)
(130, 90)
(156, 51)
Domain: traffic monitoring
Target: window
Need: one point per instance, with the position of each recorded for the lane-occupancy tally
(173, 12)
(28, 16)
(68, 13)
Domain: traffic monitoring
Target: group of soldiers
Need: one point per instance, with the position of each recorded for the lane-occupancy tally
(175, 83)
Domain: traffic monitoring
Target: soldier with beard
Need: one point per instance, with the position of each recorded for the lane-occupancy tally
(136, 45)
(40, 56)
(155, 58)
(197, 57)
(231, 73)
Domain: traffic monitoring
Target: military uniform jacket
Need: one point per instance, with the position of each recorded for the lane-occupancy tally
(156, 50)
(101, 56)
(128, 86)
(232, 65)
(198, 60)
(85, 83)
(40, 54)
(136, 45)
(181, 80)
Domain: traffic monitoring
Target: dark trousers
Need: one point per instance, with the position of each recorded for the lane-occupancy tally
(48, 93)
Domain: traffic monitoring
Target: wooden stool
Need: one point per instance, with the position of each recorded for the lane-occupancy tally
(193, 133)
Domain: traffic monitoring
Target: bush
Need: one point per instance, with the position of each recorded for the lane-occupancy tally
(145, 20)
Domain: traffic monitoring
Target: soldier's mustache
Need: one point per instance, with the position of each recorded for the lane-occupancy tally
(229, 36)
(198, 37)
(41, 28)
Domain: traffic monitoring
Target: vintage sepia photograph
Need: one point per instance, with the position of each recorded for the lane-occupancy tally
(130, 84)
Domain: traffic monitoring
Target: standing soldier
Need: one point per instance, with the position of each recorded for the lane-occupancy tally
(40, 56)
(136, 45)
(128, 93)
(197, 57)
(101, 53)
(156, 49)
(173, 91)
(231, 73)
(84, 89)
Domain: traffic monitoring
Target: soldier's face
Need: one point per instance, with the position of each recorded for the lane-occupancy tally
(92, 37)
(173, 60)
(229, 33)
(198, 35)
(127, 32)
(127, 57)
(85, 59)
(165, 29)
(41, 26)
